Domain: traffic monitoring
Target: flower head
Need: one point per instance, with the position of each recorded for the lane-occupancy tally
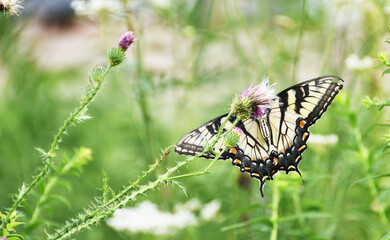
(10, 7)
(254, 101)
(117, 55)
(126, 40)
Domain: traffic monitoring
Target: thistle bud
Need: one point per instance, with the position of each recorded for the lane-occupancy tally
(97, 74)
(116, 56)
(232, 137)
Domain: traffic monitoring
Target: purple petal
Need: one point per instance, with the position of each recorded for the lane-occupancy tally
(126, 40)
(238, 130)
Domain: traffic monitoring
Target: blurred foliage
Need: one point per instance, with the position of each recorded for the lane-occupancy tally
(211, 50)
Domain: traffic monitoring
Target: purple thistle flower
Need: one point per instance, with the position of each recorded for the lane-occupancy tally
(261, 95)
(258, 112)
(254, 101)
(237, 129)
(126, 40)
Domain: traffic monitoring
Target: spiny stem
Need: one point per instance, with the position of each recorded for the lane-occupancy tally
(101, 211)
(274, 214)
(120, 200)
(48, 161)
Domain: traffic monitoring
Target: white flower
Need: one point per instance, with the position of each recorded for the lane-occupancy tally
(354, 63)
(323, 139)
(147, 218)
(94, 8)
(209, 211)
(160, 3)
(192, 205)
(10, 7)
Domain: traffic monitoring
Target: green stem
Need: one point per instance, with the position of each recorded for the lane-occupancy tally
(100, 212)
(298, 47)
(129, 194)
(298, 208)
(329, 44)
(274, 208)
(51, 183)
(364, 155)
(48, 160)
(254, 43)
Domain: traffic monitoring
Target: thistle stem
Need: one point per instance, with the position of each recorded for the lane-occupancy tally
(131, 192)
(48, 160)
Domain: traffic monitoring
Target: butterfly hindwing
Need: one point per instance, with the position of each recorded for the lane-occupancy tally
(275, 141)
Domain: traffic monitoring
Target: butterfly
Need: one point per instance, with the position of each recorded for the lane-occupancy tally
(274, 142)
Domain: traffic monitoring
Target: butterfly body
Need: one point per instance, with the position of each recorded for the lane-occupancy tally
(276, 140)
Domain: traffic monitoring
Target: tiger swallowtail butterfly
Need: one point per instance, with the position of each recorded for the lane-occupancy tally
(275, 142)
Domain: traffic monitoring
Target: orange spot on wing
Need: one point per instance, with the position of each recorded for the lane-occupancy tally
(233, 150)
(291, 166)
(297, 159)
(275, 161)
(304, 136)
(255, 174)
(302, 148)
(246, 168)
(302, 123)
(238, 161)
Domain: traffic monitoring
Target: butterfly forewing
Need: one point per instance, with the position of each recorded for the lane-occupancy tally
(196, 140)
(275, 141)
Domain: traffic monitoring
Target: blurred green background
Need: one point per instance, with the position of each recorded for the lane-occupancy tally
(189, 59)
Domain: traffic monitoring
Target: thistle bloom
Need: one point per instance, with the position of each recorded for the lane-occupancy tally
(126, 40)
(117, 55)
(10, 7)
(254, 101)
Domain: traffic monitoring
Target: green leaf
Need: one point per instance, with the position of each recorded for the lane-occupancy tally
(53, 198)
(65, 184)
(367, 178)
(309, 215)
(245, 209)
(263, 220)
(385, 72)
(386, 237)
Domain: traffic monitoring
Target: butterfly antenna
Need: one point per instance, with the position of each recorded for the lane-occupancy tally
(300, 175)
(261, 188)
